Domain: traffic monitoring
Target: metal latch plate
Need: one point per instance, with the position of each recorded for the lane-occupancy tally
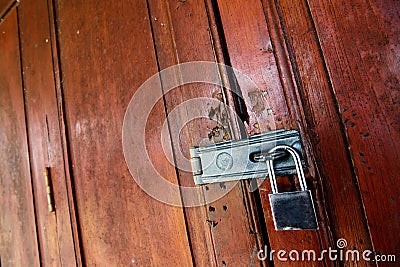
(234, 160)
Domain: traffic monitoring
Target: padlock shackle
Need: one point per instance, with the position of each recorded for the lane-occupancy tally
(297, 161)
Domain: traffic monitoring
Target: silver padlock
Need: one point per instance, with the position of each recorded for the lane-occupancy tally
(291, 210)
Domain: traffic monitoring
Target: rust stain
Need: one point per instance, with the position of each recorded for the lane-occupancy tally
(257, 101)
(218, 95)
(227, 137)
(215, 132)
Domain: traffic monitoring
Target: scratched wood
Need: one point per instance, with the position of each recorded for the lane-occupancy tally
(270, 106)
(106, 54)
(360, 42)
(340, 189)
(54, 228)
(18, 239)
(220, 233)
(328, 69)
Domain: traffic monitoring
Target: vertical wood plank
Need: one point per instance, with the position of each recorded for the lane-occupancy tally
(107, 52)
(360, 42)
(220, 233)
(55, 229)
(270, 106)
(325, 132)
(18, 239)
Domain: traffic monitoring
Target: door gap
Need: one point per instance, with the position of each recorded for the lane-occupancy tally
(251, 201)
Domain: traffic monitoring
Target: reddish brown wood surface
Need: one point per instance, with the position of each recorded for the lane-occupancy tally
(18, 239)
(107, 52)
(360, 44)
(55, 230)
(327, 68)
(6, 6)
(269, 105)
(220, 233)
(324, 130)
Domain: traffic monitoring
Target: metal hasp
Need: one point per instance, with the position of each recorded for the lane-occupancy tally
(240, 159)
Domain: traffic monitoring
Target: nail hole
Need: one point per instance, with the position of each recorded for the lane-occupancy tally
(223, 263)
(224, 207)
(211, 208)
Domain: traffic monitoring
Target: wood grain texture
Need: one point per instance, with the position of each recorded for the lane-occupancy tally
(269, 105)
(360, 42)
(327, 68)
(250, 52)
(55, 230)
(6, 7)
(220, 233)
(324, 130)
(107, 52)
(61, 117)
(164, 38)
(18, 239)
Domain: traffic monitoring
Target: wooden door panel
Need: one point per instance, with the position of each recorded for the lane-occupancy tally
(270, 106)
(360, 44)
(45, 137)
(220, 233)
(69, 71)
(107, 52)
(18, 236)
(108, 49)
(366, 41)
(324, 129)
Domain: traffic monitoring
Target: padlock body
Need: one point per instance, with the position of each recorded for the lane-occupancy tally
(293, 210)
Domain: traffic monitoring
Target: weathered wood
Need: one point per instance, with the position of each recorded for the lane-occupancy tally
(106, 54)
(18, 239)
(199, 230)
(269, 105)
(360, 41)
(63, 130)
(329, 69)
(329, 148)
(220, 233)
(54, 228)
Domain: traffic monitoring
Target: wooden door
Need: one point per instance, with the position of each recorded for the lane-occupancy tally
(43, 187)
(327, 69)
(19, 244)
